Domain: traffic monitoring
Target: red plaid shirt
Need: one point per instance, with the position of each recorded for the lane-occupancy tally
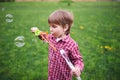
(58, 68)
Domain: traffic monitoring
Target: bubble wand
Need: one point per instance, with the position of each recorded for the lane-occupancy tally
(62, 52)
(43, 36)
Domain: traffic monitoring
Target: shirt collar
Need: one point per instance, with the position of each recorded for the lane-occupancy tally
(65, 39)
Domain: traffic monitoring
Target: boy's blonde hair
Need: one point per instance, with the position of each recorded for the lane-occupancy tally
(61, 17)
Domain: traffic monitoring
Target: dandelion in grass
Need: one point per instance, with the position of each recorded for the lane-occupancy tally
(9, 18)
(81, 27)
(108, 47)
(19, 41)
(72, 33)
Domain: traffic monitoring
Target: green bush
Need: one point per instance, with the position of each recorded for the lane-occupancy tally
(7, 0)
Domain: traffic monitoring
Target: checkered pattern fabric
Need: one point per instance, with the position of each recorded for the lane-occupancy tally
(58, 68)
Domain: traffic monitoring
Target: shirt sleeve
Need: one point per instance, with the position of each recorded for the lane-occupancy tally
(76, 57)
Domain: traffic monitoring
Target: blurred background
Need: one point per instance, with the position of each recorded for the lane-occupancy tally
(51, 0)
(96, 29)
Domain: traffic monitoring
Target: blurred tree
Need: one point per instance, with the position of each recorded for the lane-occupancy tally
(7, 0)
(67, 1)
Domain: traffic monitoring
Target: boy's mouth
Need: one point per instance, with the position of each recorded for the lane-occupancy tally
(52, 33)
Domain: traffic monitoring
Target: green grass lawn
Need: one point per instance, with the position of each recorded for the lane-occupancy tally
(96, 29)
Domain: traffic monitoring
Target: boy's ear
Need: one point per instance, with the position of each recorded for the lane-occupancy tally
(66, 27)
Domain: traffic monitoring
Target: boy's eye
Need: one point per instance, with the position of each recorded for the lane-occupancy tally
(54, 26)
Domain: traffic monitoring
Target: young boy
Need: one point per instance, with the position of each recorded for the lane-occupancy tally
(60, 22)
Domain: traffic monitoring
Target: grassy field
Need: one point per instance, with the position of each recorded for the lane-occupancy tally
(96, 29)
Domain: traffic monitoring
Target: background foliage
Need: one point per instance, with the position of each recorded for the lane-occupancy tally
(96, 29)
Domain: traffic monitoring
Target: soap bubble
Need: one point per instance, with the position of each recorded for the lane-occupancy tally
(9, 18)
(20, 41)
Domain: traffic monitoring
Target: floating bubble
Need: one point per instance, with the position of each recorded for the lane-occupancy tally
(20, 41)
(9, 18)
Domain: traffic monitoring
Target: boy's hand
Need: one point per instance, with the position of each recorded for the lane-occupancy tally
(36, 31)
(33, 29)
(76, 72)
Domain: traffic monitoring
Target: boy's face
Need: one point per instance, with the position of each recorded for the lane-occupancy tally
(57, 30)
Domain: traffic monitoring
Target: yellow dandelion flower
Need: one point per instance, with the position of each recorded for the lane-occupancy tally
(108, 47)
(72, 32)
(81, 27)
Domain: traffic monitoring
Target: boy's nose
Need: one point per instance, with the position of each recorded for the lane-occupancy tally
(51, 29)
